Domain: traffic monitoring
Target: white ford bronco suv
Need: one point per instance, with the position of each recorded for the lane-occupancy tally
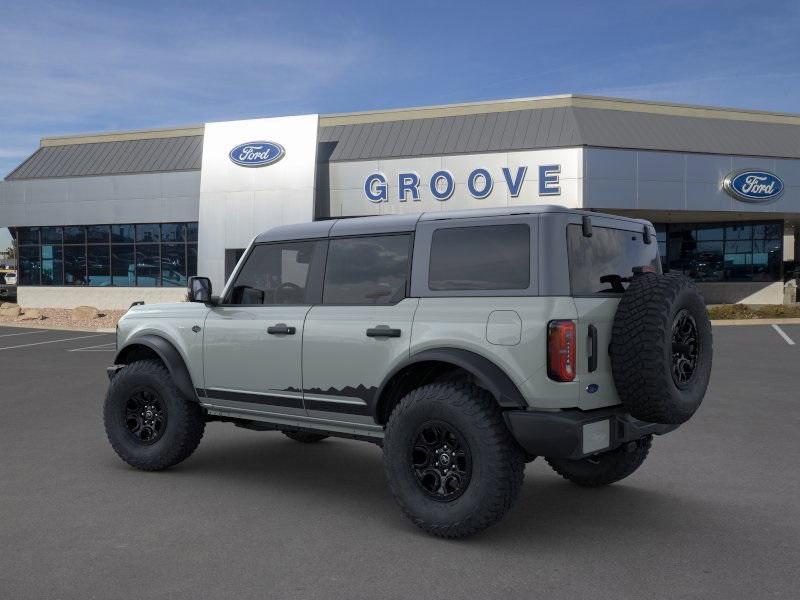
(465, 343)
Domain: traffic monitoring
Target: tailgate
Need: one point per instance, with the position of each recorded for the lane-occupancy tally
(595, 319)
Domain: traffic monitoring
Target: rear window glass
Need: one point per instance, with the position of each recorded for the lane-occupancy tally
(489, 257)
(604, 263)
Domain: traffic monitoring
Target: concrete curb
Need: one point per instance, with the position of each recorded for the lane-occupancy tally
(773, 321)
(41, 325)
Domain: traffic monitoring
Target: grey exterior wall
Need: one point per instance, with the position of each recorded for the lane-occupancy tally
(140, 198)
(673, 181)
(745, 292)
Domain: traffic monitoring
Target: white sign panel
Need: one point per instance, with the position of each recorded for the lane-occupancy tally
(437, 183)
(256, 174)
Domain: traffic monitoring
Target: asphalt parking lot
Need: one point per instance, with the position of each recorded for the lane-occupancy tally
(713, 513)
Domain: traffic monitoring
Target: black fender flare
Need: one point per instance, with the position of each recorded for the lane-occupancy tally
(489, 375)
(169, 355)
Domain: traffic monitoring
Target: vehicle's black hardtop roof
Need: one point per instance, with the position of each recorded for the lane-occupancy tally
(406, 222)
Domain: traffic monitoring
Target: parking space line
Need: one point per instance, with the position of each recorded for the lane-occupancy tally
(92, 350)
(83, 337)
(2, 335)
(782, 333)
(97, 348)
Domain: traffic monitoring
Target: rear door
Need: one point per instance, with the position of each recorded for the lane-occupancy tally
(361, 329)
(600, 266)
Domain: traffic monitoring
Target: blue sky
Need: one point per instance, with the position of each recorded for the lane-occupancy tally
(74, 67)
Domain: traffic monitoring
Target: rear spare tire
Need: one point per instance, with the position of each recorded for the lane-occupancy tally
(661, 348)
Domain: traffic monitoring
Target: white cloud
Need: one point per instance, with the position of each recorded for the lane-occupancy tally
(71, 68)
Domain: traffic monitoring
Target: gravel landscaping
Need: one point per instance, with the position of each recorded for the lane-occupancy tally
(58, 318)
(754, 311)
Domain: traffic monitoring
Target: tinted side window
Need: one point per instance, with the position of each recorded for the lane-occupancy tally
(367, 270)
(604, 262)
(489, 257)
(274, 274)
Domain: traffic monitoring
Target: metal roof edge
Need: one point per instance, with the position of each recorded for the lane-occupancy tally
(121, 136)
(20, 165)
(444, 110)
(685, 110)
(467, 108)
(566, 101)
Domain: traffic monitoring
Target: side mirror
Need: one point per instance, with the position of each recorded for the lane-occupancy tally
(200, 289)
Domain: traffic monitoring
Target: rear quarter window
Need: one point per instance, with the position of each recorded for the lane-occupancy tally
(605, 262)
(487, 257)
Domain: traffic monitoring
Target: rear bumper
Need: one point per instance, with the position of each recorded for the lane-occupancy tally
(575, 434)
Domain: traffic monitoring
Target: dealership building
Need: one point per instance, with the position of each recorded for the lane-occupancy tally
(109, 218)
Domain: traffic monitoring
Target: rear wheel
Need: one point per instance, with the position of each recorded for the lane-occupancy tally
(450, 461)
(304, 436)
(606, 468)
(149, 423)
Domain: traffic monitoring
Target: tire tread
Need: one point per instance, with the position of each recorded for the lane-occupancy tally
(187, 415)
(485, 416)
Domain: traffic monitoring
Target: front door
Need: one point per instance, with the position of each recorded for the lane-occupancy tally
(252, 347)
(361, 329)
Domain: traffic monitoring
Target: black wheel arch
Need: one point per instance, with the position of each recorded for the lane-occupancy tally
(147, 345)
(423, 367)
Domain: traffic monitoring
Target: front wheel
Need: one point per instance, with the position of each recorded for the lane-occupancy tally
(149, 423)
(606, 468)
(450, 461)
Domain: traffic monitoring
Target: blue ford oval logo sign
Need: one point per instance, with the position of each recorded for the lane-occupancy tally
(257, 154)
(753, 186)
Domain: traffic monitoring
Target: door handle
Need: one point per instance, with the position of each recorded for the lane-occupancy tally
(383, 331)
(592, 348)
(281, 329)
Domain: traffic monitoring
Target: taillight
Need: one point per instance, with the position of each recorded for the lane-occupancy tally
(561, 350)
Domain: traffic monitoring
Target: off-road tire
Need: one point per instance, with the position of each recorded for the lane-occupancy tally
(185, 422)
(642, 349)
(306, 437)
(606, 468)
(497, 461)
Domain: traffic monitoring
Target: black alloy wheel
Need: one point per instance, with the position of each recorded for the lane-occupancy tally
(685, 348)
(441, 461)
(449, 458)
(145, 416)
(151, 425)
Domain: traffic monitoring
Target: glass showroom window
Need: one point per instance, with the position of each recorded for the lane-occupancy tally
(144, 254)
(745, 251)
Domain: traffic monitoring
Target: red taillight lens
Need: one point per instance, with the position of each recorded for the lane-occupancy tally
(561, 350)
